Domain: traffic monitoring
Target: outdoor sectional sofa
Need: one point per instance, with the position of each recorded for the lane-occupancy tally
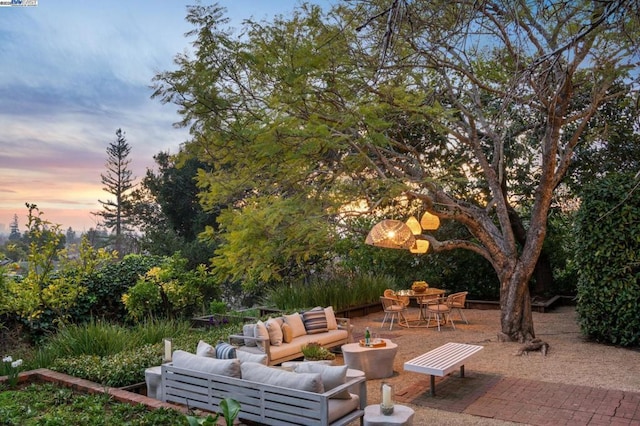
(316, 395)
(282, 338)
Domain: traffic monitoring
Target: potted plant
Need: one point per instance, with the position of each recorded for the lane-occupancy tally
(314, 351)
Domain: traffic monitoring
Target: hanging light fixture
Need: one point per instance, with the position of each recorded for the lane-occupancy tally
(391, 233)
(429, 222)
(414, 225)
(421, 246)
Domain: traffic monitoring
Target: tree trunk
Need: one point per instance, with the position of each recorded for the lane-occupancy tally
(516, 318)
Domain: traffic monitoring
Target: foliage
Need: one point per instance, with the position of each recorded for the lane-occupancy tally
(168, 211)
(115, 355)
(170, 290)
(607, 260)
(117, 181)
(106, 286)
(230, 410)
(356, 109)
(120, 369)
(314, 351)
(54, 280)
(341, 292)
(50, 404)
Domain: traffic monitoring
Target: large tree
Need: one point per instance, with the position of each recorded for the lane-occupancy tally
(118, 181)
(471, 110)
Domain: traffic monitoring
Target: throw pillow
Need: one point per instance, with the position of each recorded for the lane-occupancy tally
(274, 328)
(315, 321)
(261, 332)
(245, 356)
(332, 376)
(287, 333)
(249, 330)
(223, 367)
(311, 382)
(296, 324)
(225, 351)
(205, 349)
(332, 323)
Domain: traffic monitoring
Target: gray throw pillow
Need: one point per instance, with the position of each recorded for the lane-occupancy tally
(332, 376)
(223, 367)
(274, 376)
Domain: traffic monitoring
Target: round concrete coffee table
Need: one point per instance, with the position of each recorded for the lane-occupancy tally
(402, 415)
(377, 363)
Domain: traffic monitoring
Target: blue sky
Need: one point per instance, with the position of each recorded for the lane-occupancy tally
(73, 72)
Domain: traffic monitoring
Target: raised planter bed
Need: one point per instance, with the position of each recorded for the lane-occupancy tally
(536, 306)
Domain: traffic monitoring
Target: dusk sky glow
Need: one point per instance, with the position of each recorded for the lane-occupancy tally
(73, 72)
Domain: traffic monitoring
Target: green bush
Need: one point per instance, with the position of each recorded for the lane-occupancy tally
(119, 355)
(608, 260)
(106, 287)
(171, 290)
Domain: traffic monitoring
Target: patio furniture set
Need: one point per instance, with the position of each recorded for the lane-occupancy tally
(278, 391)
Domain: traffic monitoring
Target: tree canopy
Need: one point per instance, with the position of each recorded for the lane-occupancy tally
(469, 110)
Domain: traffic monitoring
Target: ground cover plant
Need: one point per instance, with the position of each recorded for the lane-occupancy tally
(48, 404)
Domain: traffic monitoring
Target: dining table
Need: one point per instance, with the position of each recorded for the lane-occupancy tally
(430, 293)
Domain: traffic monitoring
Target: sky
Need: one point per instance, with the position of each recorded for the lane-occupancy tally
(72, 73)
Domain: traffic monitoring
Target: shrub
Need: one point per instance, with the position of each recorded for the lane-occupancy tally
(170, 290)
(608, 260)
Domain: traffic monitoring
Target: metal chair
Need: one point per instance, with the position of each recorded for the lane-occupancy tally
(458, 303)
(441, 309)
(393, 308)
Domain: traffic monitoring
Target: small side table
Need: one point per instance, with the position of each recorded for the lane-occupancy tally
(402, 415)
(153, 377)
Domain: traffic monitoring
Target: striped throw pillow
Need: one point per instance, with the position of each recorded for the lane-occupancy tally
(315, 321)
(225, 351)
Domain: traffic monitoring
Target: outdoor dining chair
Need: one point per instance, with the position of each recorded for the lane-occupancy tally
(458, 303)
(393, 308)
(441, 310)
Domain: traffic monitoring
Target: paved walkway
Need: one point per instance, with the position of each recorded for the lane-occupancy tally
(525, 401)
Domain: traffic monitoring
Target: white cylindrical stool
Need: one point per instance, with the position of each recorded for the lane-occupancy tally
(153, 377)
(402, 415)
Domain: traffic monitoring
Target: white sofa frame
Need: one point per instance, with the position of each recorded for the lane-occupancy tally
(259, 402)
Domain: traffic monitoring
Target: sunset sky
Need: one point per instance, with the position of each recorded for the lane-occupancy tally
(73, 72)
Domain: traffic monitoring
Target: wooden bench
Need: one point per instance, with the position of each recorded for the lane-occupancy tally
(442, 361)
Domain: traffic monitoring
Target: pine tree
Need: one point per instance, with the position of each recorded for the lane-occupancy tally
(15, 231)
(117, 181)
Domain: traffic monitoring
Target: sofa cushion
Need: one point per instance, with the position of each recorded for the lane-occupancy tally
(274, 328)
(223, 367)
(205, 349)
(297, 326)
(261, 331)
(249, 330)
(244, 356)
(287, 333)
(332, 376)
(225, 351)
(339, 408)
(315, 321)
(310, 382)
(332, 323)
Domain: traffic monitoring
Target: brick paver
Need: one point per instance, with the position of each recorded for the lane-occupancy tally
(526, 401)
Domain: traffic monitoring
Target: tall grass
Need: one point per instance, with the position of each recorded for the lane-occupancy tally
(339, 292)
(104, 339)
